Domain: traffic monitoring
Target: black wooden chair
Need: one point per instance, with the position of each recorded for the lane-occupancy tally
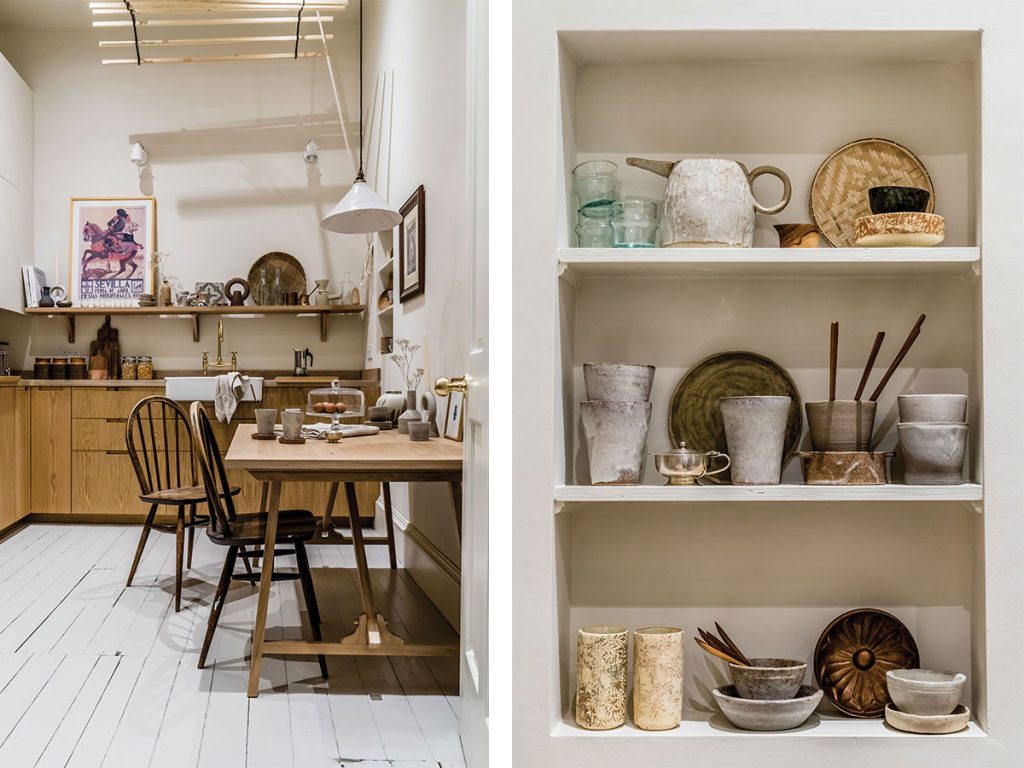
(236, 531)
(160, 446)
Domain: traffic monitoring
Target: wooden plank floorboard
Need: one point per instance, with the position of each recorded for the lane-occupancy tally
(94, 673)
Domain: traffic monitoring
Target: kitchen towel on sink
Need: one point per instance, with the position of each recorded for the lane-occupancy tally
(230, 388)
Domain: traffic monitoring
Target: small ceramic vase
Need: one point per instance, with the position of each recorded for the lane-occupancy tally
(657, 678)
(46, 300)
(616, 437)
(601, 677)
(410, 414)
(165, 294)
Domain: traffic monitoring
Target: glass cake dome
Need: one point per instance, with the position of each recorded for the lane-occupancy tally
(335, 403)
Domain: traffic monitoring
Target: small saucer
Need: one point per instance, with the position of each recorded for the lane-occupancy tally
(957, 720)
(286, 441)
(258, 436)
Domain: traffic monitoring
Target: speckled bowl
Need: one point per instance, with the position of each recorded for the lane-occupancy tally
(946, 409)
(768, 679)
(898, 199)
(925, 691)
(754, 715)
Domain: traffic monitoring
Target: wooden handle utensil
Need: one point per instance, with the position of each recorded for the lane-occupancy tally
(870, 364)
(728, 640)
(715, 652)
(833, 357)
(914, 333)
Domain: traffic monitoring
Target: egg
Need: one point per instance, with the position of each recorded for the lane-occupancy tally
(340, 407)
(318, 407)
(329, 407)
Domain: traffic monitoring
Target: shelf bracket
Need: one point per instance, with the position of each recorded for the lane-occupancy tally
(566, 273)
(324, 320)
(565, 506)
(195, 327)
(976, 269)
(69, 323)
(977, 506)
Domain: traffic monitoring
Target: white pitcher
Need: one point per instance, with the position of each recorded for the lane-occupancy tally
(708, 202)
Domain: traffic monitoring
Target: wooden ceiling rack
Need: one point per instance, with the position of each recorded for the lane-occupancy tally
(198, 14)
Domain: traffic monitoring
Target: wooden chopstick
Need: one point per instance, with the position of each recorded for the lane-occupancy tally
(715, 652)
(870, 364)
(714, 642)
(914, 333)
(728, 640)
(833, 355)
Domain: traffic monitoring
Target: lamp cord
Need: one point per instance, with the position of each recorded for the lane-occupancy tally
(360, 176)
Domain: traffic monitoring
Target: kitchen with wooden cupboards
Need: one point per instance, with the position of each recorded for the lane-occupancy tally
(242, 516)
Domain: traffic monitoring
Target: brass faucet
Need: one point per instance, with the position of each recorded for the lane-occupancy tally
(220, 364)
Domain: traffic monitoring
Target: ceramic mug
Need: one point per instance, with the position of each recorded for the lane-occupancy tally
(265, 420)
(291, 423)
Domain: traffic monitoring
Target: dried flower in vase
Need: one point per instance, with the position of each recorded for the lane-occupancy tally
(403, 360)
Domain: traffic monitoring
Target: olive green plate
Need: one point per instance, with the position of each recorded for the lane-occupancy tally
(694, 415)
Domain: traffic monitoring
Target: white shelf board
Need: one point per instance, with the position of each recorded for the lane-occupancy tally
(387, 311)
(582, 263)
(585, 494)
(386, 267)
(818, 726)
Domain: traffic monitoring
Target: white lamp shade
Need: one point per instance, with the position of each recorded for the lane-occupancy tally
(361, 211)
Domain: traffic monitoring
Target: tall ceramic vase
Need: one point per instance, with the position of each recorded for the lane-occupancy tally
(601, 677)
(410, 414)
(755, 431)
(657, 678)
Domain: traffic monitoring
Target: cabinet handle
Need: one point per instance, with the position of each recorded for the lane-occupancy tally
(117, 421)
(117, 453)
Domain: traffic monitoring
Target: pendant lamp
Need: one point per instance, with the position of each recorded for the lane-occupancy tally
(361, 211)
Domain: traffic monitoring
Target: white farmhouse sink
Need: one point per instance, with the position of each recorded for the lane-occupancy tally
(188, 388)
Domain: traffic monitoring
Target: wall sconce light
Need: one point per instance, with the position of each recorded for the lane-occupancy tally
(139, 155)
(311, 153)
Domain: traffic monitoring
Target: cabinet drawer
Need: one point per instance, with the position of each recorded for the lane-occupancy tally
(104, 484)
(107, 403)
(109, 435)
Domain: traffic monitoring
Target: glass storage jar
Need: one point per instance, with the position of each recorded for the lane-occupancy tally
(129, 368)
(335, 403)
(635, 223)
(596, 183)
(594, 227)
(144, 368)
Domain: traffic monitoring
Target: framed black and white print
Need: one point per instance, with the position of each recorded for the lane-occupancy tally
(412, 246)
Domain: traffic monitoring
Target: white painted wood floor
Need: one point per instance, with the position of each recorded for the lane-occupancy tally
(97, 675)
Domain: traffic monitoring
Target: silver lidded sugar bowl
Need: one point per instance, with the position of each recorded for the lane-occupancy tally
(684, 466)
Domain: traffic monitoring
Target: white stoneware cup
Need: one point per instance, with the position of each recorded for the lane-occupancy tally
(265, 420)
(755, 431)
(291, 424)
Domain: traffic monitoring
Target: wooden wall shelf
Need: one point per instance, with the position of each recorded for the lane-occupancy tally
(70, 314)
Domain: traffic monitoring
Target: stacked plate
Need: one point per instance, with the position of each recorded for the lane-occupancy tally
(926, 701)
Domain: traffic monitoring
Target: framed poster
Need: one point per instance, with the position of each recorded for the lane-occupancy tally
(412, 246)
(112, 245)
(453, 419)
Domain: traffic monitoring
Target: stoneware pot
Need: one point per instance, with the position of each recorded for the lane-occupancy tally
(755, 715)
(898, 199)
(798, 235)
(708, 202)
(841, 425)
(768, 679)
(933, 454)
(925, 691)
(410, 413)
(395, 401)
(949, 409)
(618, 381)
(755, 430)
(932, 725)
(657, 678)
(616, 435)
(265, 420)
(428, 410)
(601, 677)
(845, 467)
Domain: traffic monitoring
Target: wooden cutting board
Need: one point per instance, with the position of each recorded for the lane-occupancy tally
(313, 380)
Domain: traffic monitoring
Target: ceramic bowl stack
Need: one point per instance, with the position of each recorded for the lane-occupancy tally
(926, 701)
(616, 416)
(768, 695)
(841, 433)
(933, 438)
(899, 219)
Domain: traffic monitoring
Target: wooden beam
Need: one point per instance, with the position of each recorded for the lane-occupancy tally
(183, 6)
(207, 22)
(232, 57)
(210, 40)
(163, 9)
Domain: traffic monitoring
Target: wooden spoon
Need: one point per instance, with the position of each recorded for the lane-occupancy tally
(715, 652)
(728, 640)
(833, 357)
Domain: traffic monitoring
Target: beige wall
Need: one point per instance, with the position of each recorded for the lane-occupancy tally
(423, 45)
(225, 143)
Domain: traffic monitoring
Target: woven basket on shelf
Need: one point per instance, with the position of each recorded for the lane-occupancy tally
(839, 191)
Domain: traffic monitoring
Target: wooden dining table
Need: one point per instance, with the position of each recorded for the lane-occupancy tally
(385, 457)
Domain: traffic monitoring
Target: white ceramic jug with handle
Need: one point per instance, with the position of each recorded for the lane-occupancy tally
(708, 202)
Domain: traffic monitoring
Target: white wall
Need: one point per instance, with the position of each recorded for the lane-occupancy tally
(15, 182)
(225, 143)
(423, 45)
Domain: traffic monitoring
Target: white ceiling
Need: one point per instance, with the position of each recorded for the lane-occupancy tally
(44, 13)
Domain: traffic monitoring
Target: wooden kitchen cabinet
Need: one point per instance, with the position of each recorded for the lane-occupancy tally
(15, 454)
(51, 450)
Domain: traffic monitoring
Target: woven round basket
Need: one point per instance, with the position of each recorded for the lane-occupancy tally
(293, 276)
(839, 191)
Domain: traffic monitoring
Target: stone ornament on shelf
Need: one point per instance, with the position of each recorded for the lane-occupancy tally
(657, 678)
(601, 655)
